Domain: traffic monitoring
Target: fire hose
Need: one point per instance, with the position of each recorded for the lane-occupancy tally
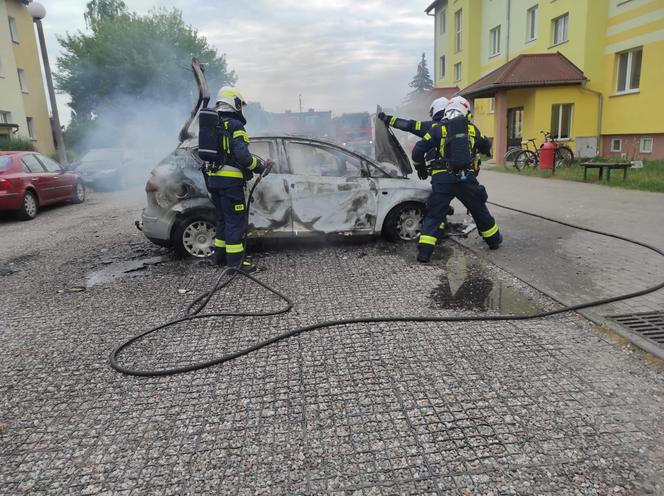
(228, 275)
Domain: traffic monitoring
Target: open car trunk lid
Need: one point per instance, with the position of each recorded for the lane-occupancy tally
(387, 147)
(190, 128)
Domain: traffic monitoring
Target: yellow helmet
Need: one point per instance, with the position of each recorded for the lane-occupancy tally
(232, 97)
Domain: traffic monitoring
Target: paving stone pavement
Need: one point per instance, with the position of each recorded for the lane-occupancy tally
(551, 406)
(572, 265)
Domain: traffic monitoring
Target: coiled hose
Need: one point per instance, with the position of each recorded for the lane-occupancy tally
(228, 275)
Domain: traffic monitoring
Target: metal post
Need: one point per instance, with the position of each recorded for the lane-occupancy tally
(59, 139)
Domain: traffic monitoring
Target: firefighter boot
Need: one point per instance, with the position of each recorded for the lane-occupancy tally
(495, 241)
(424, 253)
(219, 257)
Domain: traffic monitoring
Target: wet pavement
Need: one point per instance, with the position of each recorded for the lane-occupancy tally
(551, 406)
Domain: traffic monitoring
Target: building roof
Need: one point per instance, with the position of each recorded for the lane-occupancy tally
(528, 70)
(432, 6)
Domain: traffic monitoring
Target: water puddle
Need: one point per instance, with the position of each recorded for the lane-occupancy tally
(467, 285)
(120, 270)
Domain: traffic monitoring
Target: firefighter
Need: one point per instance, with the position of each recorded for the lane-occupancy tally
(455, 142)
(419, 129)
(226, 180)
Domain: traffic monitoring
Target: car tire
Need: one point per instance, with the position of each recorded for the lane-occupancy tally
(193, 234)
(29, 206)
(404, 222)
(79, 193)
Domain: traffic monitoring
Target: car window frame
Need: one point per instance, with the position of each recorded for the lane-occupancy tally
(278, 167)
(364, 170)
(34, 156)
(44, 160)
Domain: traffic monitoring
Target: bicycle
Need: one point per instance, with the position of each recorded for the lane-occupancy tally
(564, 156)
(527, 159)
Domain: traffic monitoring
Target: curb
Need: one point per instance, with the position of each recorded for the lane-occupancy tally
(640, 342)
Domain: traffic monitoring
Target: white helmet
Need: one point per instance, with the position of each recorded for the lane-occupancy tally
(438, 105)
(232, 98)
(458, 106)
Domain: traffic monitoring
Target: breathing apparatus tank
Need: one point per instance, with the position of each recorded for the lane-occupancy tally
(208, 135)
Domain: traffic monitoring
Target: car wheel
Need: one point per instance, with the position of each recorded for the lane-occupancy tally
(193, 235)
(28, 210)
(79, 193)
(404, 222)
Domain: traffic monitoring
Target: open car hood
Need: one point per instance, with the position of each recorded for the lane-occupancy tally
(388, 149)
(190, 128)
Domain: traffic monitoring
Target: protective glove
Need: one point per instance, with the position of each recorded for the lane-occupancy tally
(422, 172)
(247, 174)
(263, 168)
(383, 117)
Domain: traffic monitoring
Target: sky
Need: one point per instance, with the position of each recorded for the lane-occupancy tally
(340, 55)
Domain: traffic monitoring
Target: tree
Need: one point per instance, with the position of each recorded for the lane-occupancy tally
(103, 10)
(422, 82)
(128, 58)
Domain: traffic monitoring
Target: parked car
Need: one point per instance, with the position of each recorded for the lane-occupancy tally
(112, 169)
(30, 180)
(316, 187)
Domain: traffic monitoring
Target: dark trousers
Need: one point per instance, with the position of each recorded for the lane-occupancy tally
(228, 200)
(473, 196)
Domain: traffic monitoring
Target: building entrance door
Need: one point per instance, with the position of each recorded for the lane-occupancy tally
(514, 126)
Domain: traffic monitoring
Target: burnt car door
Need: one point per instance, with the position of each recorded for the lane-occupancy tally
(331, 190)
(270, 212)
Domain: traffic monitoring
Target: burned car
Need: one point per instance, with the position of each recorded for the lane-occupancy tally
(315, 188)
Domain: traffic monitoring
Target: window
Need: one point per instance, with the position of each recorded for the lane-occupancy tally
(49, 164)
(559, 29)
(12, 29)
(265, 150)
(308, 160)
(5, 117)
(31, 128)
(457, 28)
(31, 164)
(494, 36)
(561, 121)
(629, 70)
(457, 72)
(22, 81)
(492, 105)
(616, 145)
(442, 67)
(531, 23)
(646, 145)
(5, 162)
(442, 20)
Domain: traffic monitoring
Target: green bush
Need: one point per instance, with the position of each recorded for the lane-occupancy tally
(16, 144)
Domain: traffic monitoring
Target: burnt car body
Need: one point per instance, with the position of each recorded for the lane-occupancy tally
(316, 187)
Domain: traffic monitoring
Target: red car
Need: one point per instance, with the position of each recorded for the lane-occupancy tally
(30, 180)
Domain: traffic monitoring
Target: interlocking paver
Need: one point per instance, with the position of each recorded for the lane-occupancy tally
(531, 407)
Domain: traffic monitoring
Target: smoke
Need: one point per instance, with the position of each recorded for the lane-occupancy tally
(127, 137)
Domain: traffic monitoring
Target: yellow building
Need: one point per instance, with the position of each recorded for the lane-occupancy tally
(23, 109)
(590, 72)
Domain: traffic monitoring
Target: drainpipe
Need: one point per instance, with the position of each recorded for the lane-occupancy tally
(435, 45)
(507, 36)
(600, 109)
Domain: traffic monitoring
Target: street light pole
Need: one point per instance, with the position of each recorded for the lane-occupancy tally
(37, 11)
